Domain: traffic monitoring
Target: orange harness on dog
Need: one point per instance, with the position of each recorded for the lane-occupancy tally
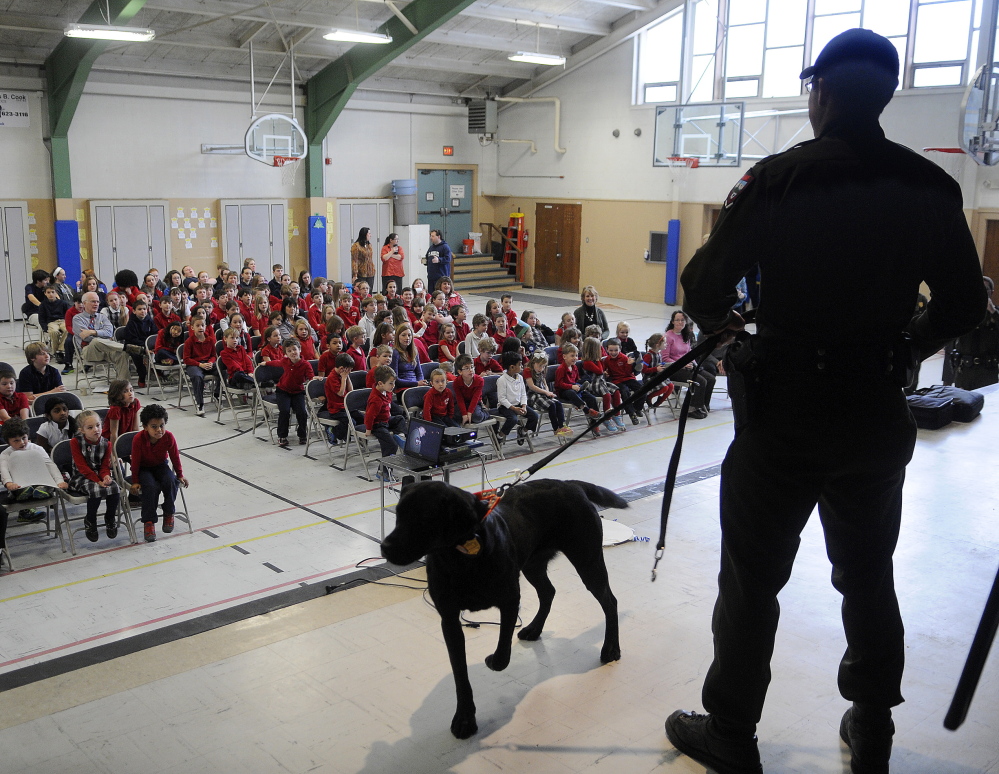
(492, 497)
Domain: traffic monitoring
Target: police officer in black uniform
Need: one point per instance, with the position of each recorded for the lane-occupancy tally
(853, 211)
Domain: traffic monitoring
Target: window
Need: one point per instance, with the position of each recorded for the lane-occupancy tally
(739, 49)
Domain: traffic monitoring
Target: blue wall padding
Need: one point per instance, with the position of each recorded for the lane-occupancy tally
(67, 238)
(317, 246)
(672, 261)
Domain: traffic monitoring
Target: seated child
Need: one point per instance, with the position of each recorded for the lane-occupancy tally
(458, 315)
(439, 402)
(479, 332)
(271, 350)
(540, 396)
(355, 335)
(336, 386)
(568, 321)
(290, 392)
(38, 377)
(123, 414)
(653, 364)
(447, 346)
(378, 418)
(199, 360)
(484, 363)
(13, 404)
(306, 339)
(167, 341)
(593, 372)
(151, 475)
(60, 426)
(52, 319)
(569, 336)
(502, 328)
(506, 308)
(92, 458)
(27, 472)
(468, 392)
(628, 345)
(139, 327)
(237, 361)
(327, 361)
(511, 393)
(568, 387)
(620, 370)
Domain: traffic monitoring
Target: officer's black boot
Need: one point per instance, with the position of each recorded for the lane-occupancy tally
(868, 732)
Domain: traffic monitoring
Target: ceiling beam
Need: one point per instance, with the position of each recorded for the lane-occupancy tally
(628, 5)
(255, 29)
(550, 21)
(23, 23)
(331, 89)
(499, 69)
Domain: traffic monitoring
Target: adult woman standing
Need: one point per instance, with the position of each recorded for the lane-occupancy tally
(392, 258)
(362, 262)
(591, 314)
(679, 338)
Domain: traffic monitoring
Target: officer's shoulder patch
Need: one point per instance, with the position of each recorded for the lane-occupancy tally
(738, 188)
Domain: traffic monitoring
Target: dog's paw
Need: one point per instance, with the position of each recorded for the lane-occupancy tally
(497, 663)
(530, 633)
(463, 726)
(610, 652)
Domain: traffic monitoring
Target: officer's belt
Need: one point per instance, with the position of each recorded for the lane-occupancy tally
(780, 357)
(966, 361)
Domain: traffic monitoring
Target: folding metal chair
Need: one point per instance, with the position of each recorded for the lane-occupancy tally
(95, 372)
(357, 400)
(489, 393)
(552, 353)
(412, 400)
(41, 403)
(489, 426)
(62, 456)
(426, 368)
(160, 368)
(210, 382)
(122, 473)
(31, 324)
(358, 380)
(319, 418)
(265, 401)
(434, 351)
(236, 397)
(51, 506)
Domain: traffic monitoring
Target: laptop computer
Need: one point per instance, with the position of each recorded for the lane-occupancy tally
(423, 446)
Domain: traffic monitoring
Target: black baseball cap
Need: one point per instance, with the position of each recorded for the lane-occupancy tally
(853, 45)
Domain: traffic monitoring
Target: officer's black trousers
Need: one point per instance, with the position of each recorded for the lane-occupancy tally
(798, 450)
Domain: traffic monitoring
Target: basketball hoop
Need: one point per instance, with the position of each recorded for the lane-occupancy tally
(952, 160)
(289, 168)
(679, 170)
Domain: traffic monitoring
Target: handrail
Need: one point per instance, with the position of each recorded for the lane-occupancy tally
(508, 243)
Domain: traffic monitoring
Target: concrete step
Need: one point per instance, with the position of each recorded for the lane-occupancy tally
(490, 268)
(481, 287)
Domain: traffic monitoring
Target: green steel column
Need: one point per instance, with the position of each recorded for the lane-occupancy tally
(329, 90)
(66, 71)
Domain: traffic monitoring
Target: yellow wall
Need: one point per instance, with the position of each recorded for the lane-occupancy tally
(614, 238)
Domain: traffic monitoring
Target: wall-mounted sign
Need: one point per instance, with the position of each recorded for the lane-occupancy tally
(14, 109)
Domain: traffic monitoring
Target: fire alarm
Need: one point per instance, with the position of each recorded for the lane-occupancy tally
(328, 161)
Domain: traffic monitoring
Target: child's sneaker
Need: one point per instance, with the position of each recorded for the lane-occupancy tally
(149, 532)
(610, 427)
(331, 438)
(90, 530)
(302, 441)
(564, 432)
(634, 419)
(400, 440)
(521, 435)
(111, 528)
(67, 370)
(596, 431)
(29, 516)
(201, 411)
(282, 442)
(167, 523)
(619, 421)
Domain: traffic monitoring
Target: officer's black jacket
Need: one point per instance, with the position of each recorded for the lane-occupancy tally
(844, 228)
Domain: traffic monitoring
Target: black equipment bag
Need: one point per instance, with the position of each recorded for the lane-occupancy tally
(931, 404)
(931, 412)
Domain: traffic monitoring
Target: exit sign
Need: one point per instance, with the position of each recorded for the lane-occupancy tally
(448, 150)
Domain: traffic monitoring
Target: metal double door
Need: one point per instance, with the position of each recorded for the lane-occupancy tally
(16, 265)
(444, 202)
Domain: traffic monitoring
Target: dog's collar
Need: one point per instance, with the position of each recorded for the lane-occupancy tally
(492, 498)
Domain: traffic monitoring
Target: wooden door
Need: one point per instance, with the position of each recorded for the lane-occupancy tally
(556, 246)
(990, 263)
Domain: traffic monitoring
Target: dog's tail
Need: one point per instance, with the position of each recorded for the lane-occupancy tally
(599, 496)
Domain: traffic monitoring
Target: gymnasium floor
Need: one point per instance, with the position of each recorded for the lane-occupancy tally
(220, 651)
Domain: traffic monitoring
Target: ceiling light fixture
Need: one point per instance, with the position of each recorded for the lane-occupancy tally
(109, 32)
(536, 57)
(357, 36)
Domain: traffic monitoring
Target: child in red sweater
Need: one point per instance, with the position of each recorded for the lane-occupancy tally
(620, 370)
(327, 361)
(123, 414)
(355, 335)
(199, 360)
(378, 418)
(484, 363)
(151, 475)
(237, 361)
(447, 347)
(468, 391)
(305, 335)
(439, 402)
(336, 387)
(600, 385)
(271, 350)
(568, 387)
(290, 392)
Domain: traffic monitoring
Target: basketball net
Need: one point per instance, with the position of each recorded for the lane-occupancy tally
(679, 170)
(289, 168)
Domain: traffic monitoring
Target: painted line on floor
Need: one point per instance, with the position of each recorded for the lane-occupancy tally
(170, 616)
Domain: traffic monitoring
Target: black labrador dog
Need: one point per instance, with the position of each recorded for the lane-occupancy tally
(474, 564)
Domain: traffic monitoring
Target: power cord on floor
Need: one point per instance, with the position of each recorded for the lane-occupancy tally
(376, 581)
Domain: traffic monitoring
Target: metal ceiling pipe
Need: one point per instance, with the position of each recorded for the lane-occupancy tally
(558, 113)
